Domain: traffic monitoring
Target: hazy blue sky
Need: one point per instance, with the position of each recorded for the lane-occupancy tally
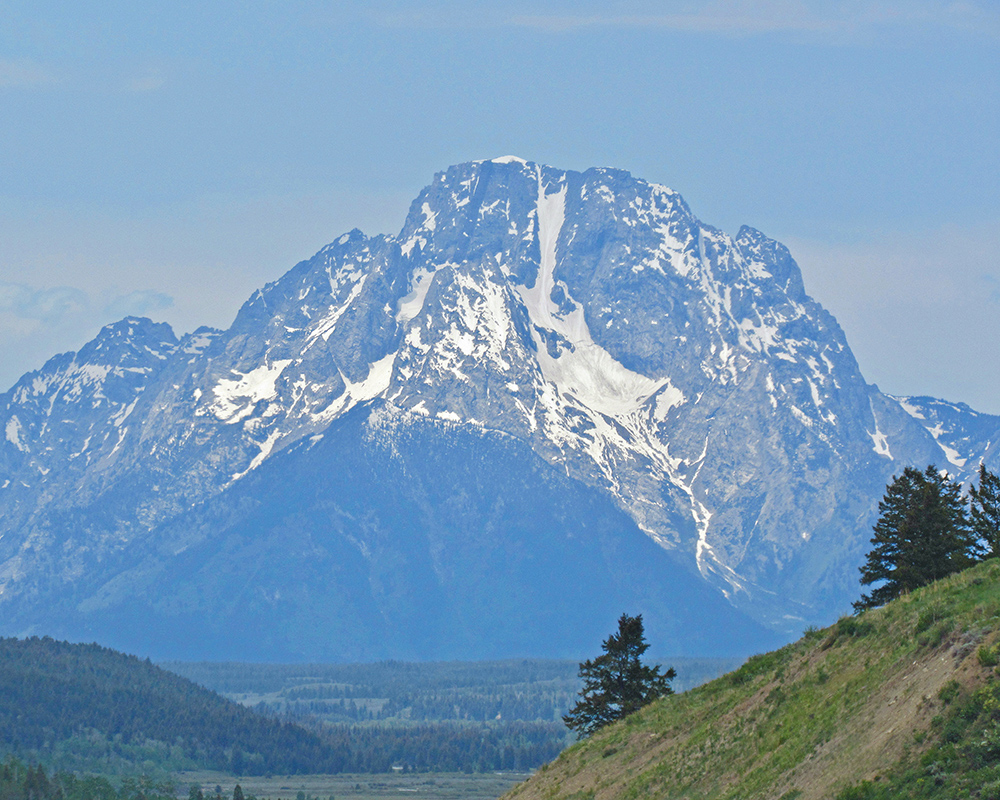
(167, 158)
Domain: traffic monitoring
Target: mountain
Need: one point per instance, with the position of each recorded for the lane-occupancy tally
(966, 437)
(899, 702)
(553, 397)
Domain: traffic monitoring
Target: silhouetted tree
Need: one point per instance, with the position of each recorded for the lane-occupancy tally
(617, 683)
(922, 534)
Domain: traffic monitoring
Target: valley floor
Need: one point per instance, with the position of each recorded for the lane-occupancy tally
(420, 786)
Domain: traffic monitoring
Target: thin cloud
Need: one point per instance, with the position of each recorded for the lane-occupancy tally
(138, 304)
(44, 305)
(35, 324)
(698, 23)
(839, 20)
(61, 303)
(732, 16)
(992, 284)
(23, 74)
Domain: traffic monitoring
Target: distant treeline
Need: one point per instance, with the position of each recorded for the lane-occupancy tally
(447, 747)
(423, 708)
(528, 690)
(380, 679)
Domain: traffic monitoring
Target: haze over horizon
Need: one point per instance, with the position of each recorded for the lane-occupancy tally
(170, 159)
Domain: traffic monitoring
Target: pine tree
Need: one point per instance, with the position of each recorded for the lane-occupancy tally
(922, 534)
(617, 683)
(984, 512)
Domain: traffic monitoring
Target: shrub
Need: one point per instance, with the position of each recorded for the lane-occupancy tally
(935, 636)
(953, 730)
(852, 626)
(926, 619)
(757, 665)
(990, 791)
(949, 691)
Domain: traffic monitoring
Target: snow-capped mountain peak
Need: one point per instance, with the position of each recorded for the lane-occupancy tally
(588, 319)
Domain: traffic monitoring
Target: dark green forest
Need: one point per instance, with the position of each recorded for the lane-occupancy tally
(83, 706)
(438, 716)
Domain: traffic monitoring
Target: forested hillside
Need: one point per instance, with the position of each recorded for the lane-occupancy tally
(86, 707)
(83, 706)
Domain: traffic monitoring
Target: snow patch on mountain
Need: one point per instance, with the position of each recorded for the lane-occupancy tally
(375, 384)
(964, 436)
(580, 367)
(236, 398)
(411, 304)
(13, 431)
(879, 442)
(910, 408)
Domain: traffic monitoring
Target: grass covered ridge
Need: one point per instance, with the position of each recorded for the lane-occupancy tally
(902, 701)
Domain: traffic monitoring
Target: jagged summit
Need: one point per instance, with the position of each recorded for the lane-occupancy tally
(581, 328)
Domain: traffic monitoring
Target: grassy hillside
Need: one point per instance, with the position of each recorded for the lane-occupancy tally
(903, 701)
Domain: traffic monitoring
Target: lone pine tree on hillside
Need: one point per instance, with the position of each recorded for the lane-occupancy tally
(922, 534)
(984, 511)
(617, 683)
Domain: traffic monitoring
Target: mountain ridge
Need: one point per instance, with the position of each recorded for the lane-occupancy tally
(676, 372)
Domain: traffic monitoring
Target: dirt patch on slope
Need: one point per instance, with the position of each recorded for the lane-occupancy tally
(878, 736)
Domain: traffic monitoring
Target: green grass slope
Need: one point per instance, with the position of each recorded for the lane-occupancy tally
(86, 707)
(903, 701)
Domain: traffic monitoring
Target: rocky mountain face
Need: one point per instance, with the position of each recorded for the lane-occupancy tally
(553, 397)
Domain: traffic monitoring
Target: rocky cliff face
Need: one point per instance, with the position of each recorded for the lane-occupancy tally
(552, 395)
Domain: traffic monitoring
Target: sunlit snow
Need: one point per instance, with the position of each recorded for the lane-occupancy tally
(412, 303)
(588, 371)
(509, 160)
(879, 443)
(13, 430)
(235, 398)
